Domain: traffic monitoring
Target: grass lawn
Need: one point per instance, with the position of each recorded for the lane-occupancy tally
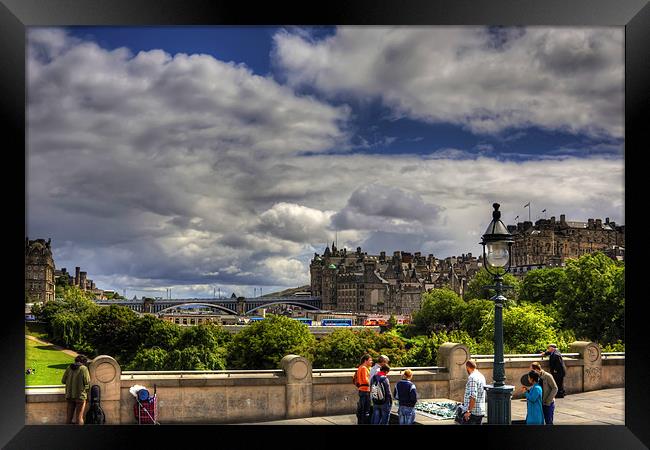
(48, 362)
(36, 330)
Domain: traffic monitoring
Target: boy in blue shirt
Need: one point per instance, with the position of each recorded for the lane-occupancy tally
(407, 396)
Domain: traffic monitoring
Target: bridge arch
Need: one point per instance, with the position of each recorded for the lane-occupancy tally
(285, 302)
(228, 310)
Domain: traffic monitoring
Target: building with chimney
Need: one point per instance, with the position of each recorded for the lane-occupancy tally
(549, 242)
(379, 284)
(39, 270)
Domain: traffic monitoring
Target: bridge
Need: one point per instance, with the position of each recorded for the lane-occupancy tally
(234, 306)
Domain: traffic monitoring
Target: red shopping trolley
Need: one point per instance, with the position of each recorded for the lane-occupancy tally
(145, 408)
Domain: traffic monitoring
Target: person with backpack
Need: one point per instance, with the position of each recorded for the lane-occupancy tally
(77, 383)
(361, 380)
(407, 396)
(381, 397)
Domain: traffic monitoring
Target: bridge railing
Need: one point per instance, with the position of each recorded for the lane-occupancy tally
(612, 355)
(393, 370)
(510, 357)
(180, 373)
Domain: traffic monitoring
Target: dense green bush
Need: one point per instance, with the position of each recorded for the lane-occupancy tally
(149, 359)
(617, 346)
(526, 329)
(340, 349)
(423, 350)
(343, 348)
(261, 345)
(196, 358)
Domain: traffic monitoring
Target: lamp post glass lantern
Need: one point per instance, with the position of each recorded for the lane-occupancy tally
(497, 258)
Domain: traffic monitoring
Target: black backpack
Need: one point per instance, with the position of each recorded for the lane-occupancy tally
(95, 414)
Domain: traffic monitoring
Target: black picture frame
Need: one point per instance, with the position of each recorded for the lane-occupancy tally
(15, 15)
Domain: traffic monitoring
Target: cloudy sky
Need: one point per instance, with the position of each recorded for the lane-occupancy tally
(202, 158)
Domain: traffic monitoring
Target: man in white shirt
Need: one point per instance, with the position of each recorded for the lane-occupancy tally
(382, 360)
(474, 399)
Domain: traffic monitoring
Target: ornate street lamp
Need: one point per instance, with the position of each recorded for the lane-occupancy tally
(497, 257)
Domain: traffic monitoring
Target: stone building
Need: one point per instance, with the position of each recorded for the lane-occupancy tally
(548, 243)
(39, 270)
(80, 280)
(378, 284)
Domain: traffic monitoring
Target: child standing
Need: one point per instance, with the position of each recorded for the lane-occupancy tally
(407, 396)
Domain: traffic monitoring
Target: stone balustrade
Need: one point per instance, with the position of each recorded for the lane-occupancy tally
(297, 390)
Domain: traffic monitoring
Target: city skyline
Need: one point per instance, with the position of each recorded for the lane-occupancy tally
(205, 157)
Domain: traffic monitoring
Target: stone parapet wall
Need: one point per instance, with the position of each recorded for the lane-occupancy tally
(296, 390)
(334, 394)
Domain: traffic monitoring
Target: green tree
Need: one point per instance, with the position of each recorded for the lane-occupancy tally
(67, 329)
(526, 329)
(392, 322)
(541, 285)
(592, 298)
(475, 315)
(153, 332)
(340, 349)
(206, 335)
(113, 330)
(196, 358)
(440, 309)
(475, 288)
(154, 358)
(263, 344)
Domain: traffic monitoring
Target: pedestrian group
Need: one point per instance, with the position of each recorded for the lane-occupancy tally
(376, 399)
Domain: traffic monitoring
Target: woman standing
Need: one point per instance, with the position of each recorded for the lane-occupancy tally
(535, 415)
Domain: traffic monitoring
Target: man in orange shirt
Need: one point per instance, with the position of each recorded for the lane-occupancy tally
(362, 382)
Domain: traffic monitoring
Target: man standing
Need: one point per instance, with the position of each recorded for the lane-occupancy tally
(362, 382)
(558, 368)
(383, 359)
(77, 382)
(474, 400)
(549, 389)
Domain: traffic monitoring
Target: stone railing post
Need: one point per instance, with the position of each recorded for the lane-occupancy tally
(592, 371)
(454, 356)
(299, 386)
(106, 372)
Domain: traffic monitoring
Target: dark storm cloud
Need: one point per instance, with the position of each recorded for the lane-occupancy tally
(373, 206)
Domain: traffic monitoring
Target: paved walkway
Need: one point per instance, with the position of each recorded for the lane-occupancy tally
(56, 347)
(604, 407)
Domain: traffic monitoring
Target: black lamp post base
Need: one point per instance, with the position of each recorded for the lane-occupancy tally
(498, 404)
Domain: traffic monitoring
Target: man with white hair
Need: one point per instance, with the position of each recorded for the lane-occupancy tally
(383, 359)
